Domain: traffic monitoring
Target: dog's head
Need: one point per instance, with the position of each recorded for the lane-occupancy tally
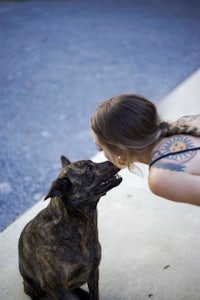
(84, 181)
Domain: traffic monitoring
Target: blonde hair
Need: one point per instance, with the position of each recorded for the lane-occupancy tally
(130, 125)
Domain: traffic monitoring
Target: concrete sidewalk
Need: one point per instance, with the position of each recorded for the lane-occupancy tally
(150, 246)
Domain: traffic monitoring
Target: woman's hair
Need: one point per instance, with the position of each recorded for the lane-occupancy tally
(129, 124)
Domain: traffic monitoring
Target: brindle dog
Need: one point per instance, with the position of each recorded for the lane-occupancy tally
(59, 249)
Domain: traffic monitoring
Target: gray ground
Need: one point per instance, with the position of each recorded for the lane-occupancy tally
(60, 59)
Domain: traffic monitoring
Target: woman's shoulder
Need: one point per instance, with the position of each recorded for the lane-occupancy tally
(170, 147)
(174, 169)
(174, 165)
(174, 152)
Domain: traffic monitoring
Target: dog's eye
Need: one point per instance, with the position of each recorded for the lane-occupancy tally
(89, 169)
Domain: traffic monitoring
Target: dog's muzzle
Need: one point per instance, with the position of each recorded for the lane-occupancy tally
(108, 184)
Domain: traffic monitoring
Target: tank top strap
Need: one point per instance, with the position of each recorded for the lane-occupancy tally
(172, 153)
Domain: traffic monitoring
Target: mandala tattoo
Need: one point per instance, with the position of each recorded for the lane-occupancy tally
(177, 150)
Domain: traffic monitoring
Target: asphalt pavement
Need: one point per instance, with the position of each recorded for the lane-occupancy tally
(60, 59)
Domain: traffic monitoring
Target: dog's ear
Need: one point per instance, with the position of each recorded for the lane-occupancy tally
(65, 161)
(58, 188)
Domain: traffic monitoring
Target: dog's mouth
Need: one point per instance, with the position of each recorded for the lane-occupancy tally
(108, 184)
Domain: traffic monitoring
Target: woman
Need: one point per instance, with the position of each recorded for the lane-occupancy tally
(127, 129)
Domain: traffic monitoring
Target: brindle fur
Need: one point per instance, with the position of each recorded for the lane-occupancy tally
(59, 249)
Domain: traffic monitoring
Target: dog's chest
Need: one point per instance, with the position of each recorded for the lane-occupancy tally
(77, 237)
(90, 248)
(71, 243)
